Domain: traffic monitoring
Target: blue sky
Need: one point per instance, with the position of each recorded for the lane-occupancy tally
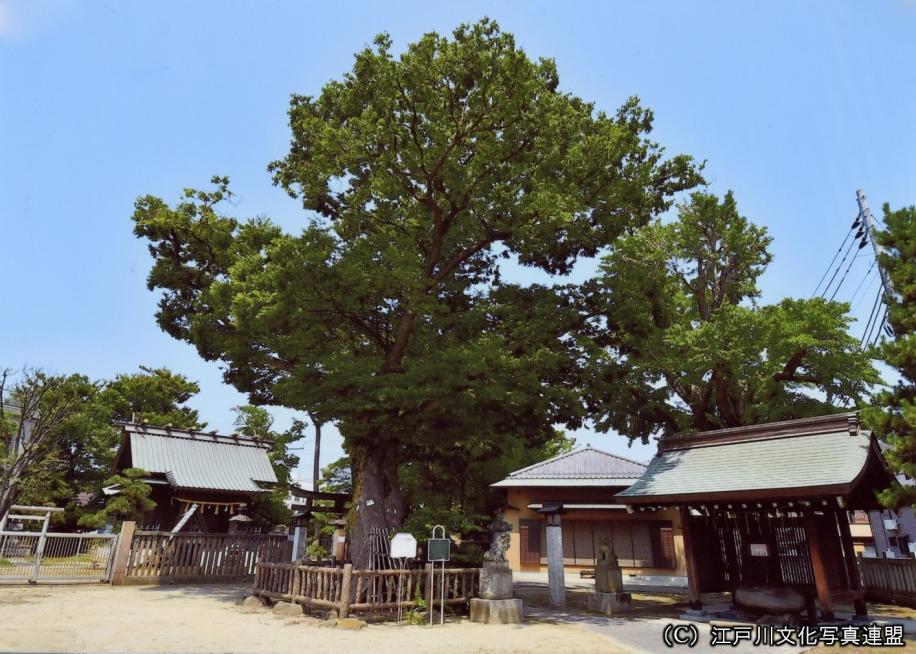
(793, 105)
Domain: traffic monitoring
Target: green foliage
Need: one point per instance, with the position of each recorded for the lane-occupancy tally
(130, 503)
(892, 416)
(417, 616)
(387, 314)
(83, 446)
(8, 424)
(157, 396)
(316, 551)
(31, 414)
(337, 477)
(688, 346)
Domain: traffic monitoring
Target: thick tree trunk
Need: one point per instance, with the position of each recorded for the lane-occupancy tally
(378, 503)
(8, 493)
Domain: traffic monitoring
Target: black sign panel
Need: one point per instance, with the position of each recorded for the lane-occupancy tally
(438, 549)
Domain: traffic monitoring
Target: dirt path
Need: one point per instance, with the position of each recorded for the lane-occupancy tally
(209, 619)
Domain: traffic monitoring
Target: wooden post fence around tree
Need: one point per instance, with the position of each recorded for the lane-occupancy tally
(122, 553)
(345, 590)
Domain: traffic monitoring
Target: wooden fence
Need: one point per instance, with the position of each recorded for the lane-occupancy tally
(889, 580)
(157, 557)
(348, 590)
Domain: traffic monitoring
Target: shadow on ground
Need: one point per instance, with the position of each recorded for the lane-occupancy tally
(228, 593)
(655, 604)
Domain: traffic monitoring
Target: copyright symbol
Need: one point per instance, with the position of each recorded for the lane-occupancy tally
(680, 634)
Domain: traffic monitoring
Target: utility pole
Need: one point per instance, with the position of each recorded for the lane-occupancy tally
(869, 219)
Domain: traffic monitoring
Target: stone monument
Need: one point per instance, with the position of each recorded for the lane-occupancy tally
(608, 597)
(496, 604)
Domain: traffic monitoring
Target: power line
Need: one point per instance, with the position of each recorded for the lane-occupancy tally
(868, 273)
(840, 249)
(859, 235)
(865, 293)
(881, 325)
(843, 278)
(871, 317)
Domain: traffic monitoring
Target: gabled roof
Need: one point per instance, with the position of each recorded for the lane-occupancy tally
(198, 460)
(586, 466)
(821, 456)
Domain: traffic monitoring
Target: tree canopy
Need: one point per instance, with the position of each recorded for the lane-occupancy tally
(130, 502)
(892, 417)
(387, 313)
(690, 347)
(33, 406)
(81, 449)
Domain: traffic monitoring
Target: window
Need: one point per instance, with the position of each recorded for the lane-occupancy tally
(637, 543)
(859, 518)
(759, 549)
(584, 542)
(663, 545)
(530, 540)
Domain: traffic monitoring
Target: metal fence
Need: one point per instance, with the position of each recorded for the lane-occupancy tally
(36, 556)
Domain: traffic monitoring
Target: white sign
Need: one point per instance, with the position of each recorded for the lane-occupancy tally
(403, 546)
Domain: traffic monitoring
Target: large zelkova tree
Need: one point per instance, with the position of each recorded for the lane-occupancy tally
(386, 314)
(688, 344)
(892, 417)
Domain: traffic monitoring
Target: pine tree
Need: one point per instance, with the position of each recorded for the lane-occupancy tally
(892, 417)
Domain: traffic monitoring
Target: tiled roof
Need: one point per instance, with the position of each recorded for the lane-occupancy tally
(200, 460)
(583, 467)
(799, 457)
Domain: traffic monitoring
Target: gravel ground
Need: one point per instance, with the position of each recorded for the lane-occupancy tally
(99, 618)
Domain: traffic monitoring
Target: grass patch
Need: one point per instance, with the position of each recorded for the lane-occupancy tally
(76, 558)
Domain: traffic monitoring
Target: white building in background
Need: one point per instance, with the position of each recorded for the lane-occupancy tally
(301, 482)
(894, 532)
(13, 410)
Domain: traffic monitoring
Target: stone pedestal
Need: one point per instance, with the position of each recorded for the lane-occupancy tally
(495, 581)
(500, 611)
(495, 604)
(609, 603)
(608, 580)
